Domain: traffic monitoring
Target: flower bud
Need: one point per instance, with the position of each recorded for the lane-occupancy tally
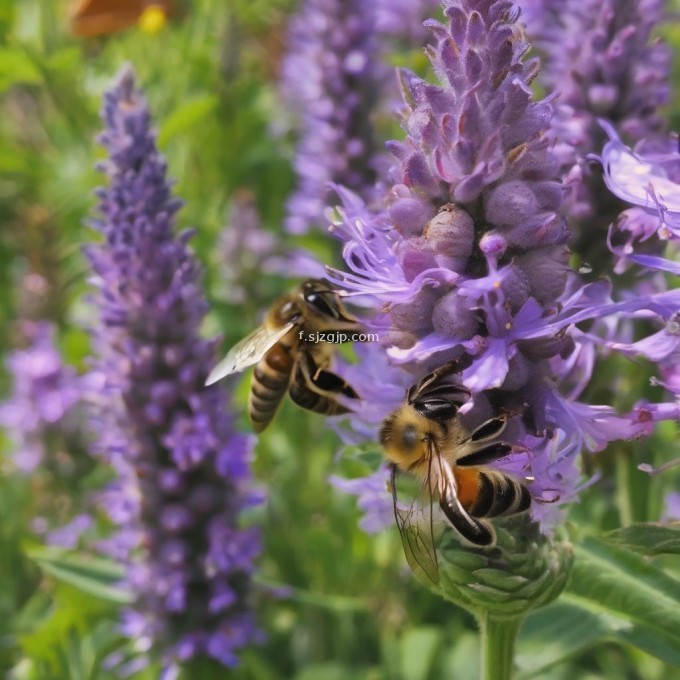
(510, 204)
(546, 270)
(415, 256)
(410, 216)
(525, 569)
(452, 317)
(451, 232)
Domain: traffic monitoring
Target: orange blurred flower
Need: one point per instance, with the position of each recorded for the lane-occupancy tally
(89, 18)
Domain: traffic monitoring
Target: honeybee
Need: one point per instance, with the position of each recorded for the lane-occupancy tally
(425, 438)
(289, 357)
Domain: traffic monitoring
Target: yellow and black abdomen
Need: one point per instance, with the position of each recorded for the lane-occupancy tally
(484, 492)
(269, 385)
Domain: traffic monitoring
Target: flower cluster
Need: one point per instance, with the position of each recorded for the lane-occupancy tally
(244, 250)
(648, 178)
(468, 257)
(612, 78)
(403, 19)
(182, 471)
(335, 81)
(42, 409)
(332, 79)
(602, 64)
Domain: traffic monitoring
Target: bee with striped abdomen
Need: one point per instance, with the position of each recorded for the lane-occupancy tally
(425, 437)
(288, 356)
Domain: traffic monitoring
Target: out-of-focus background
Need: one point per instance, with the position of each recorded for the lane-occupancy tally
(349, 607)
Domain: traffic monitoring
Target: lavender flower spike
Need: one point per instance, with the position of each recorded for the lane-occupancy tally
(602, 63)
(332, 77)
(183, 473)
(469, 257)
(43, 400)
(602, 60)
(647, 177)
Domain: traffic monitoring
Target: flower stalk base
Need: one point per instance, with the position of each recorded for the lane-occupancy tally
(500, 586)
(498, 645)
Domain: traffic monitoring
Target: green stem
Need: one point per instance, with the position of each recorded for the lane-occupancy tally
(498, 645)
(623, 487)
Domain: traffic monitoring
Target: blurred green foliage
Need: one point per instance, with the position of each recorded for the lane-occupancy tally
(352, 610)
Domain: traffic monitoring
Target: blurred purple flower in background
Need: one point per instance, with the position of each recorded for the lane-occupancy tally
(601, 62)
(183, 472)
(469, 257)
(245, 250)
(403, 19)
(42, 407)
(331, 79)
(648, 177)
(672, 509)
(335, 80)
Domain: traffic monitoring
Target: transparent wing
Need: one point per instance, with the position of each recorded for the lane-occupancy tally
(416, 528)
(247, 352)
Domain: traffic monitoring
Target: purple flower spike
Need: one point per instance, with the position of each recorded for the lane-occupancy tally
(332, 78)
(245, 249)
(44, 398)
(404, 18)
(646, 178)
(601, 59)
(672, 510)
(602, 63)
(468, 260)
(183, 473)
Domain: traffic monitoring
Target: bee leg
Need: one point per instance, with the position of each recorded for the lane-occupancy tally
(318, 395)
(489, 430)
(487, 454)
(476, 531)
(329, 382)
(437, 399)
(436, 408)
(322, 381)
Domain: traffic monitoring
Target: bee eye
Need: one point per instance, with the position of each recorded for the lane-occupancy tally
(319, 302)
(409, 436)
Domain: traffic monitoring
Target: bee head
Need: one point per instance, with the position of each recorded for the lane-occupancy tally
(406, 436)
(324, 301)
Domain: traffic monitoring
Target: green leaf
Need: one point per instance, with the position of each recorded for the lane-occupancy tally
(16, 67)
(566, 629)
(555, 633)
(94, 575)
(186, 116)
(615, 595)
(419, 649)
(329, 671)
(69, 616)
(625, 582)
(647, 538)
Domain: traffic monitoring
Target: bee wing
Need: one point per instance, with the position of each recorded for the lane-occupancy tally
(247, 352)
(416, 529)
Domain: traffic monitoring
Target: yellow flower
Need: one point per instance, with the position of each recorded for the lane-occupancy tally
(153, 19)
